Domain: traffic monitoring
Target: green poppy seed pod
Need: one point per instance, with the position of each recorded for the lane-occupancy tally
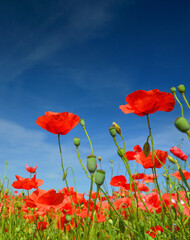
(182, 124)
(181, 88)
(180, 208)
(100, 177)
(113, 131)
(173, 89)
(117, 127)
(68, 217)
(82, 122)
(171, 159)
(64, 176)
(146, 149)
(77, 141)
(91, 163)
(121, 152)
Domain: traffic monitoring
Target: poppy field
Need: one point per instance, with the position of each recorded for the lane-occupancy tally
(132, 211)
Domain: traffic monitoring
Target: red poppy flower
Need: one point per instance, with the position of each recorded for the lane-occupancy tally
(130, 155)
(154, 230)
(149, 178)
(42, 225)
(138, 176)
(178, 153)
(27, 183)
(31, 169)
(137, 148)
(58, 123)
(143, 102)
(147, 161)
(178, 176)
(45, 199)
(117, 181)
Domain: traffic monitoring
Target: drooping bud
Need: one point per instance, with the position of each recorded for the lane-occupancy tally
(113, 131)
(77, 141)
(91, 163)
(118, 129)
(182, 124)
(171, 159)
(100, 177)
(121, 152)
(173, 89)
(181, 88)
(82, 122)
(110, 221)
(146, 149)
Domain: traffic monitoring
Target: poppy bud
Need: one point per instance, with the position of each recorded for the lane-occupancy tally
(173, 213)
(100, 177)
(121, 152)
(117, 127)
(110, 221)
(6, 191)
(165, 176)
(99, 159)
(64, 176)
(77, 141)
(17, 229)
(68, 217)
(82, 122)
(173, 89)
(146, 149)
(113, 131)
(187, 195)
(180, 208)
(181, 88)
(91, 163)
(171, 159)
(182, 124)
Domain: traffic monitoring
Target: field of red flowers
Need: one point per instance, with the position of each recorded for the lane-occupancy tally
(133, 212)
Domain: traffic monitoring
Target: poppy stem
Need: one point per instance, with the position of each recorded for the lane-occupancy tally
(88, 139)
(183, 94)
(179, 104)
(64, 173)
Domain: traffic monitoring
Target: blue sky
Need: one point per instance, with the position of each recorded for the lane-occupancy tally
(85, 57)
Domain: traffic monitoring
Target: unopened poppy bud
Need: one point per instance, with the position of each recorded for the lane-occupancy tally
(91, 163)
(188, 195)
(121, 152)
(77, 141)
(17, 229)
(100, 177)
(110, 221)
(64, 176)
(173, 89)
(181, 88)
(180, 208)
(146, 149)
(171, 159)
(117, 127)
(182, 124)
(68, 217)
(112, 131)
(165, 176)
(99, 159)
(6, 191)
(82, 122)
